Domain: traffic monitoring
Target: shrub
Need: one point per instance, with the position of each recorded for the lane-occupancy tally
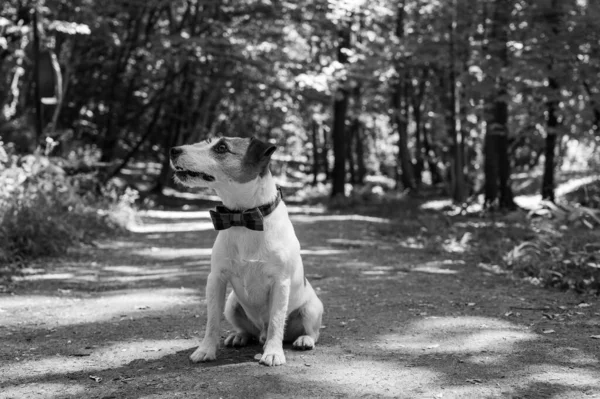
(564, 251)
(44, 212)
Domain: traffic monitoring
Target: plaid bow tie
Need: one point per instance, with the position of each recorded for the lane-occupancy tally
(252, 219)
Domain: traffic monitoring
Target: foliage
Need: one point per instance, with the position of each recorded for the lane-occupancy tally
(142, 77)
(563, 251)
(44, 212)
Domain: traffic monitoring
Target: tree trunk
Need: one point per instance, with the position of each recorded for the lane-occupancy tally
(350, 152)
(436, 176)
(419, 164)
(340, 107)
(338, 174)
(315, 151)
(39, 116)
(496, 162)
(400, 105)
(325, 153)
(549, 151)
(458, 178)
(361, 171)
(553, 17)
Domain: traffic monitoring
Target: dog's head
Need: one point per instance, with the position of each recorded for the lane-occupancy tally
(225, 160)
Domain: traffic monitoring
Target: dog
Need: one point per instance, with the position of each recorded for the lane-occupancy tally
(256, 251)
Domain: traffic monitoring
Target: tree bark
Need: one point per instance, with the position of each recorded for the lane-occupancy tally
(361, 169)
(350, 152)
(315, 151)
(340, 107)
(496, 162)
(325, 153)
(553, 18)
(405, 173)
(39, 117)
(458, 178)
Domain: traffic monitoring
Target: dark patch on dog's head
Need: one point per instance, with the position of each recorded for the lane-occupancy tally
(258, 156)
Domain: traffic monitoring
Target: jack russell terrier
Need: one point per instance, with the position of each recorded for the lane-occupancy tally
(256, 251)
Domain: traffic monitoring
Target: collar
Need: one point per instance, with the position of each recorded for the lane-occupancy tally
(253, 219)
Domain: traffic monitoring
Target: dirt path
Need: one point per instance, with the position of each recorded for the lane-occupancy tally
(405, 317)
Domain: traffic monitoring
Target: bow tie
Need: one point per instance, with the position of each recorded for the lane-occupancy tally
(224, 218)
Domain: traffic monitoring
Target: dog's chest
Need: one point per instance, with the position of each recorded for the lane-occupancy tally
(249, 269)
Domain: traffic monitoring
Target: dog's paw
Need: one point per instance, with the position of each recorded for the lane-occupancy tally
(237, 339)
(204, 354)
(304, 342)
(273, 358)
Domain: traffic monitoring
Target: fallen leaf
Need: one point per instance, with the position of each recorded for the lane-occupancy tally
(258, 356)
(548, 331)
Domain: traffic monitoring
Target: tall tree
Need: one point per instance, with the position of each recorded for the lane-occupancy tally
(496, 160)
(400, 104)
(552, 15)
(340, 108)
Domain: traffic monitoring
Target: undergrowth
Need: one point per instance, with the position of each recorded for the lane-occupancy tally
(44, 212)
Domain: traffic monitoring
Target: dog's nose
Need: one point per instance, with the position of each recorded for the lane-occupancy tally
(175, 152)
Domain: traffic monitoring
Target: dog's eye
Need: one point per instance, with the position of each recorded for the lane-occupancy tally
(221, 148)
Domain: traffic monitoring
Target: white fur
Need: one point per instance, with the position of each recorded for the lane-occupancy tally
(264, 268)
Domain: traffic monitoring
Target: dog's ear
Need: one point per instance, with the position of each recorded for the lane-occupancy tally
(259, 153)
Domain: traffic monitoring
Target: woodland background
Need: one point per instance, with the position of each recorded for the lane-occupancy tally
(478, 102)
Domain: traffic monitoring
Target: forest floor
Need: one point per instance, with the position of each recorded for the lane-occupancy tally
(410, 312)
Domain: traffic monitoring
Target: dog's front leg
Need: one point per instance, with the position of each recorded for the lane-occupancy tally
(273, 349)
(215, 301)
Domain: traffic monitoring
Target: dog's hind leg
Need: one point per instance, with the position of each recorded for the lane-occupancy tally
(304, 324)
(245, 329)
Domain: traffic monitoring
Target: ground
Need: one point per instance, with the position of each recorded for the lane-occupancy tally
(408, 314)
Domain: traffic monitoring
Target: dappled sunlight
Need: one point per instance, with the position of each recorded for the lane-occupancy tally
(339, 218)
(321, 252)
(160, 214)
(68, 310)
(567, 376)
(170, 227)
(351, 243)
(49, 390)
(575, 183)
(99, 274)
(380, 272)
(364, 377)
(173, 253)
(112, 355)
(528, 201)
(456, 335)
(436, 205)
(412, 243)
(306, 210)
(438, 267)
